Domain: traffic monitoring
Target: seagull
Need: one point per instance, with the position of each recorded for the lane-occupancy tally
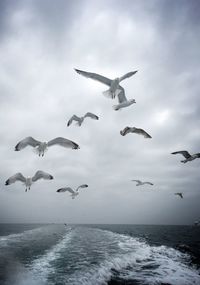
(73, 193)
(123, 102)
(139, 182)
(187, 155)
(127, 130)
(81, 119)
(29, 180)
(179, 194)
(114, 87)
(41, 147)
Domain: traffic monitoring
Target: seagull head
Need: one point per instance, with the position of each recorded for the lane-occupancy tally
(76, 146)
(132, 101)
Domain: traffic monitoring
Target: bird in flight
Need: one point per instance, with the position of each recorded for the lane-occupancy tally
(28, 181)
(187, 155)
(139, 182)
(80, 120)
(127, 130)
(114, 88)
(179, 194)
(74, 193)
(41, 147)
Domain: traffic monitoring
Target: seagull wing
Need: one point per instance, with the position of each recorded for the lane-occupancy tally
(138, 181)
(121, 94)
(95, 76)
(63, 142)
(62, 190)
(66, 189)
(183, 152)
(91, 115)
(25, 142)
(73, 118)
(149, 183)
(17, 177)
(127, 75)
(82, 186)
(179, 194)
(197, 154)
(141, 132)
(41, 175)
(125, 131)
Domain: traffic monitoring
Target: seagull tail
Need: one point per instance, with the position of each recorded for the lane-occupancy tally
(108, 94)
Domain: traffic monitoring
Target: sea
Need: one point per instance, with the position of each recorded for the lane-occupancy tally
(65, 254)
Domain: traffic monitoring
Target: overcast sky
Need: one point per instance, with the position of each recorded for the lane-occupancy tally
(41, 42)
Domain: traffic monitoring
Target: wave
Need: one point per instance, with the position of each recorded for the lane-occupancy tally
(37, 272)
(140, 263)
(42, 267)
(86, 256)
(4, 240)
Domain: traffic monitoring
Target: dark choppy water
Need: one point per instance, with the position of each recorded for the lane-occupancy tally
(99, 254)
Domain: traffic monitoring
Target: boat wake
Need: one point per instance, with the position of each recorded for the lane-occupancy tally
(90, 256)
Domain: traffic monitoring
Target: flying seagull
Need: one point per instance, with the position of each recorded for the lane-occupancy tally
(179, 194)
(123, 102)
(80, 120)
(114, 87)
(29, 180)
(41, 147)
(139, 182)
(74, 193)
(127, 130)
(187, 155)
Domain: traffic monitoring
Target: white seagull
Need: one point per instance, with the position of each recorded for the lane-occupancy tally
(80, 120)
(139, 182)
(114, 87)
(29, 180)
(127, 130)
(187, 155)
(179, 194)
(41, 147)
(74, 193)
(123, 102)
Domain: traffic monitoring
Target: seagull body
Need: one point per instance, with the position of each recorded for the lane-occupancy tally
(127, 130)
(187, 155)
(28, 181)
(179, 194)
(114, 88)
(41, 147)
(139, 182)
(74, 193)
(80, 120)
(123, 102)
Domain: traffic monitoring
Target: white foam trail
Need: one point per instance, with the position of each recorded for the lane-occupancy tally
(4, 240)
(41, 266)
(139, 261)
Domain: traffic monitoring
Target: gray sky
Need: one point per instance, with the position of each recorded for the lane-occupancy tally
(41, 42)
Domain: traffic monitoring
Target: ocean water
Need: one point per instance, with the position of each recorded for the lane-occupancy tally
(56, 254)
